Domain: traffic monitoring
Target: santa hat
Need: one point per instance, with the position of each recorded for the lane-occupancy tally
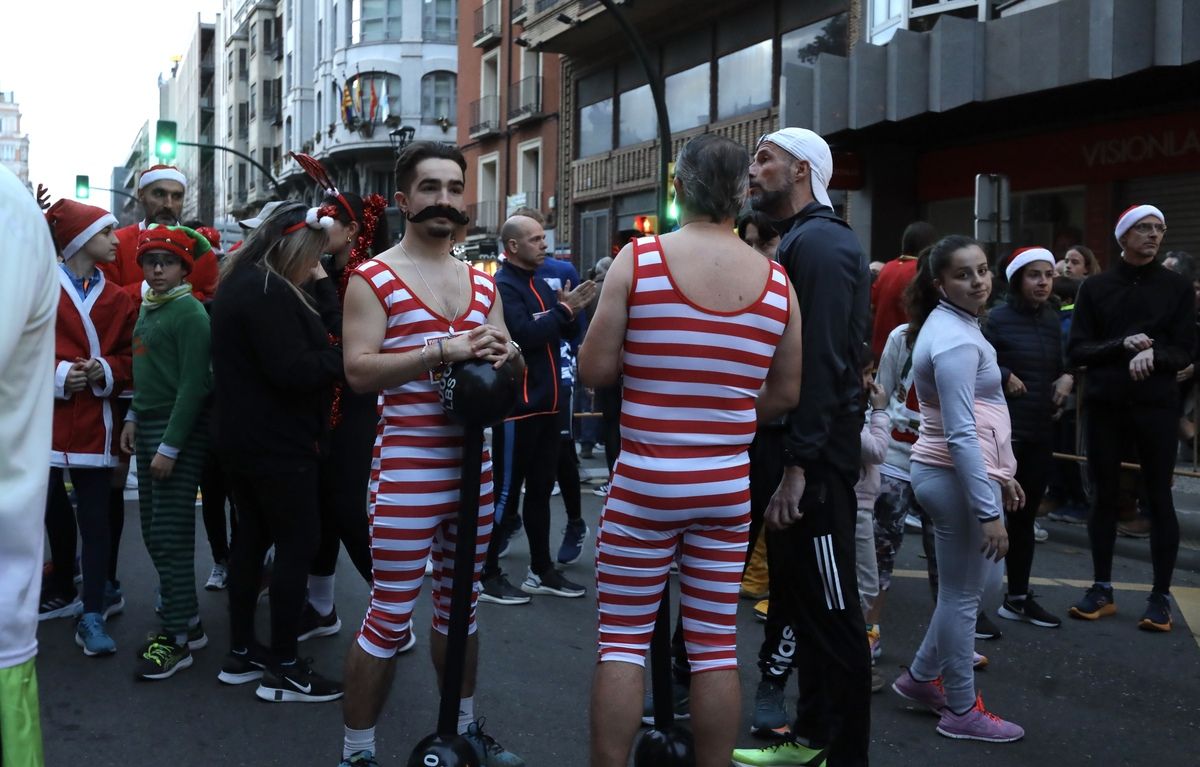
(1134, 215)
(212, 235)
(74, 223)
(161, 173)
(179, 241)
(1024, 257)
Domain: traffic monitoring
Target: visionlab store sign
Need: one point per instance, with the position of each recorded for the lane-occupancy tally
(1100, 153)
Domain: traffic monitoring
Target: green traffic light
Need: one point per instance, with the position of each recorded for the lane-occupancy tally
(82, 187)
(165, 140)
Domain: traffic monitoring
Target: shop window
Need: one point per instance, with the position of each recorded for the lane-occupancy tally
(744, 81)
(803, 45)
(639, 120)
(688, 97)
(595, 128)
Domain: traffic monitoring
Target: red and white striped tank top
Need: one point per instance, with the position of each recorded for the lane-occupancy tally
(691, 375)
(414, 433)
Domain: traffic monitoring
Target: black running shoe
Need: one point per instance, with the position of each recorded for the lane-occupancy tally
(497, 590)
(313, 624)
(240, 668)
(1096, 603)
(296, 683)
(1158, 613)
(985, 629)
(1029, 611)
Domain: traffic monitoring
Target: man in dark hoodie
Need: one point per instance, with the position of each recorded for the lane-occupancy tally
(526, 445)
(814, 621)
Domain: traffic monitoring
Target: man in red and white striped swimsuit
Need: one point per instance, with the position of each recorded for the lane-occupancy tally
(707, 335)
(409, 311)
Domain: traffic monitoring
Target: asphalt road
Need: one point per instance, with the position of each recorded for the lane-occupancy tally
(1087, 694)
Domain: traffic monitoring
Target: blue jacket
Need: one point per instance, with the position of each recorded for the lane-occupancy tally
(1029, 344)
(538, 323)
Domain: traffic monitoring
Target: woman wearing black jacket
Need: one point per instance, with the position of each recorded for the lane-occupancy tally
(1028, 341)
(274, 371)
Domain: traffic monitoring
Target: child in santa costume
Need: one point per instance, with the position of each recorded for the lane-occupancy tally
(93, 365)
(167, 427)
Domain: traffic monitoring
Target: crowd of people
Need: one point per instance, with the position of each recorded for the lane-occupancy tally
(774, 414)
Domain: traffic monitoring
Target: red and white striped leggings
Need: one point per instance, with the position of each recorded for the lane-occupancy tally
(641, 530)
(406, 530)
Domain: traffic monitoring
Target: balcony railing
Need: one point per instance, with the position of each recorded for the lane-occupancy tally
(530, 198)
(485, 117)
(543, 5)
(519, 10)
(487, 23)
(485, 217)
(525, 99)
(276, 49)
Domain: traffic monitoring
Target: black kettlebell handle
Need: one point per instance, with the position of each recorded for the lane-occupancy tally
(464, 576)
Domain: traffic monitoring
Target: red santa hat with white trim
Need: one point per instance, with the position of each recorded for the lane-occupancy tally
(161, 173)
(1024, 257)
(1134, 215)
(72, 224)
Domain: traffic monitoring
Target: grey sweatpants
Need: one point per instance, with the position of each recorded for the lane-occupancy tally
(966, 576)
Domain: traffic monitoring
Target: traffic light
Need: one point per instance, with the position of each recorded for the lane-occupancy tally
(82, 187)
(646, 224)
(672, 206)
(164, 145)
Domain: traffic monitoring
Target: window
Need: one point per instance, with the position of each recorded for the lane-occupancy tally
(335, 103)
(529, 172)
(228, 182)
(886, 16)
(333, 30)
(380, 88)
(595, 128)
(243, 120)
(438, 97)
(320, 38)
(253, 43)
(489, 83)
(268, 31)
(744, 81)
(375, 20)
(253, 99)
(229, 120)
(243, 67)
(439, 22)
(241, 180)
(287, 135)
(229, 65)
(288, 12)
(639, 120)
(487, 213)
(287, 72)
(803, 45)
(320, 114)
(688, 97)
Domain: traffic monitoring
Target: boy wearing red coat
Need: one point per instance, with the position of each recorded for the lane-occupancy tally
(93, 366)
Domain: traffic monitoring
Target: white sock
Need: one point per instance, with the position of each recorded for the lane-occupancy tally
(466, 714)
(320, 593)
(358, 740)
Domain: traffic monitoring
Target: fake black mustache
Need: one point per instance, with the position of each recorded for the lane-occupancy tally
(440, 211)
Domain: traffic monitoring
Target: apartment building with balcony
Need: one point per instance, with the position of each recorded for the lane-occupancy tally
(1087, 106)
(509, 99)
(14, 145)
(356, 74)
(721, 62)
(189, 97)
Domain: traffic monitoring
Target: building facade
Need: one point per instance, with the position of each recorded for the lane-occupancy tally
(509, 131)
(123, 198)
(1086, 106)
(14, 145)
(720, 61)
(189, 98)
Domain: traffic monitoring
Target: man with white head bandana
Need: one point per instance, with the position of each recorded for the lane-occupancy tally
(811, 462)
(1134, 328)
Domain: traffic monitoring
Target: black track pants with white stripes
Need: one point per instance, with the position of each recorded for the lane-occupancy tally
(815, 594)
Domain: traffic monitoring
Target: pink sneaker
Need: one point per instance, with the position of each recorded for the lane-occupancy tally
(978, 724)
(930, 694)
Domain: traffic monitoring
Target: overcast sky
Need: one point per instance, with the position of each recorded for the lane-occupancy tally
(85, 73)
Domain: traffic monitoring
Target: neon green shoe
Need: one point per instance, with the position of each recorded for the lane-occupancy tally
(788, 753)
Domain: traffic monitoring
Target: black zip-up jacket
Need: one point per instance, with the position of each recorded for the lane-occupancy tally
(1028, 342)
(273, 372)
(538, 323)
(1124, 301)
(828, 269)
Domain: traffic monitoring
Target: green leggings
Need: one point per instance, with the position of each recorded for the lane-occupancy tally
(20, 727)
(168, 514)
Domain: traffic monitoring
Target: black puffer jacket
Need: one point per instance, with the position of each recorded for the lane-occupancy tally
(1028, 343)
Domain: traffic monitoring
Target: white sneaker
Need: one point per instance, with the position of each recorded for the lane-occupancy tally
(217, 578)
(601, 490)
(428, 567)
(1039, 533)
(912, 522)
